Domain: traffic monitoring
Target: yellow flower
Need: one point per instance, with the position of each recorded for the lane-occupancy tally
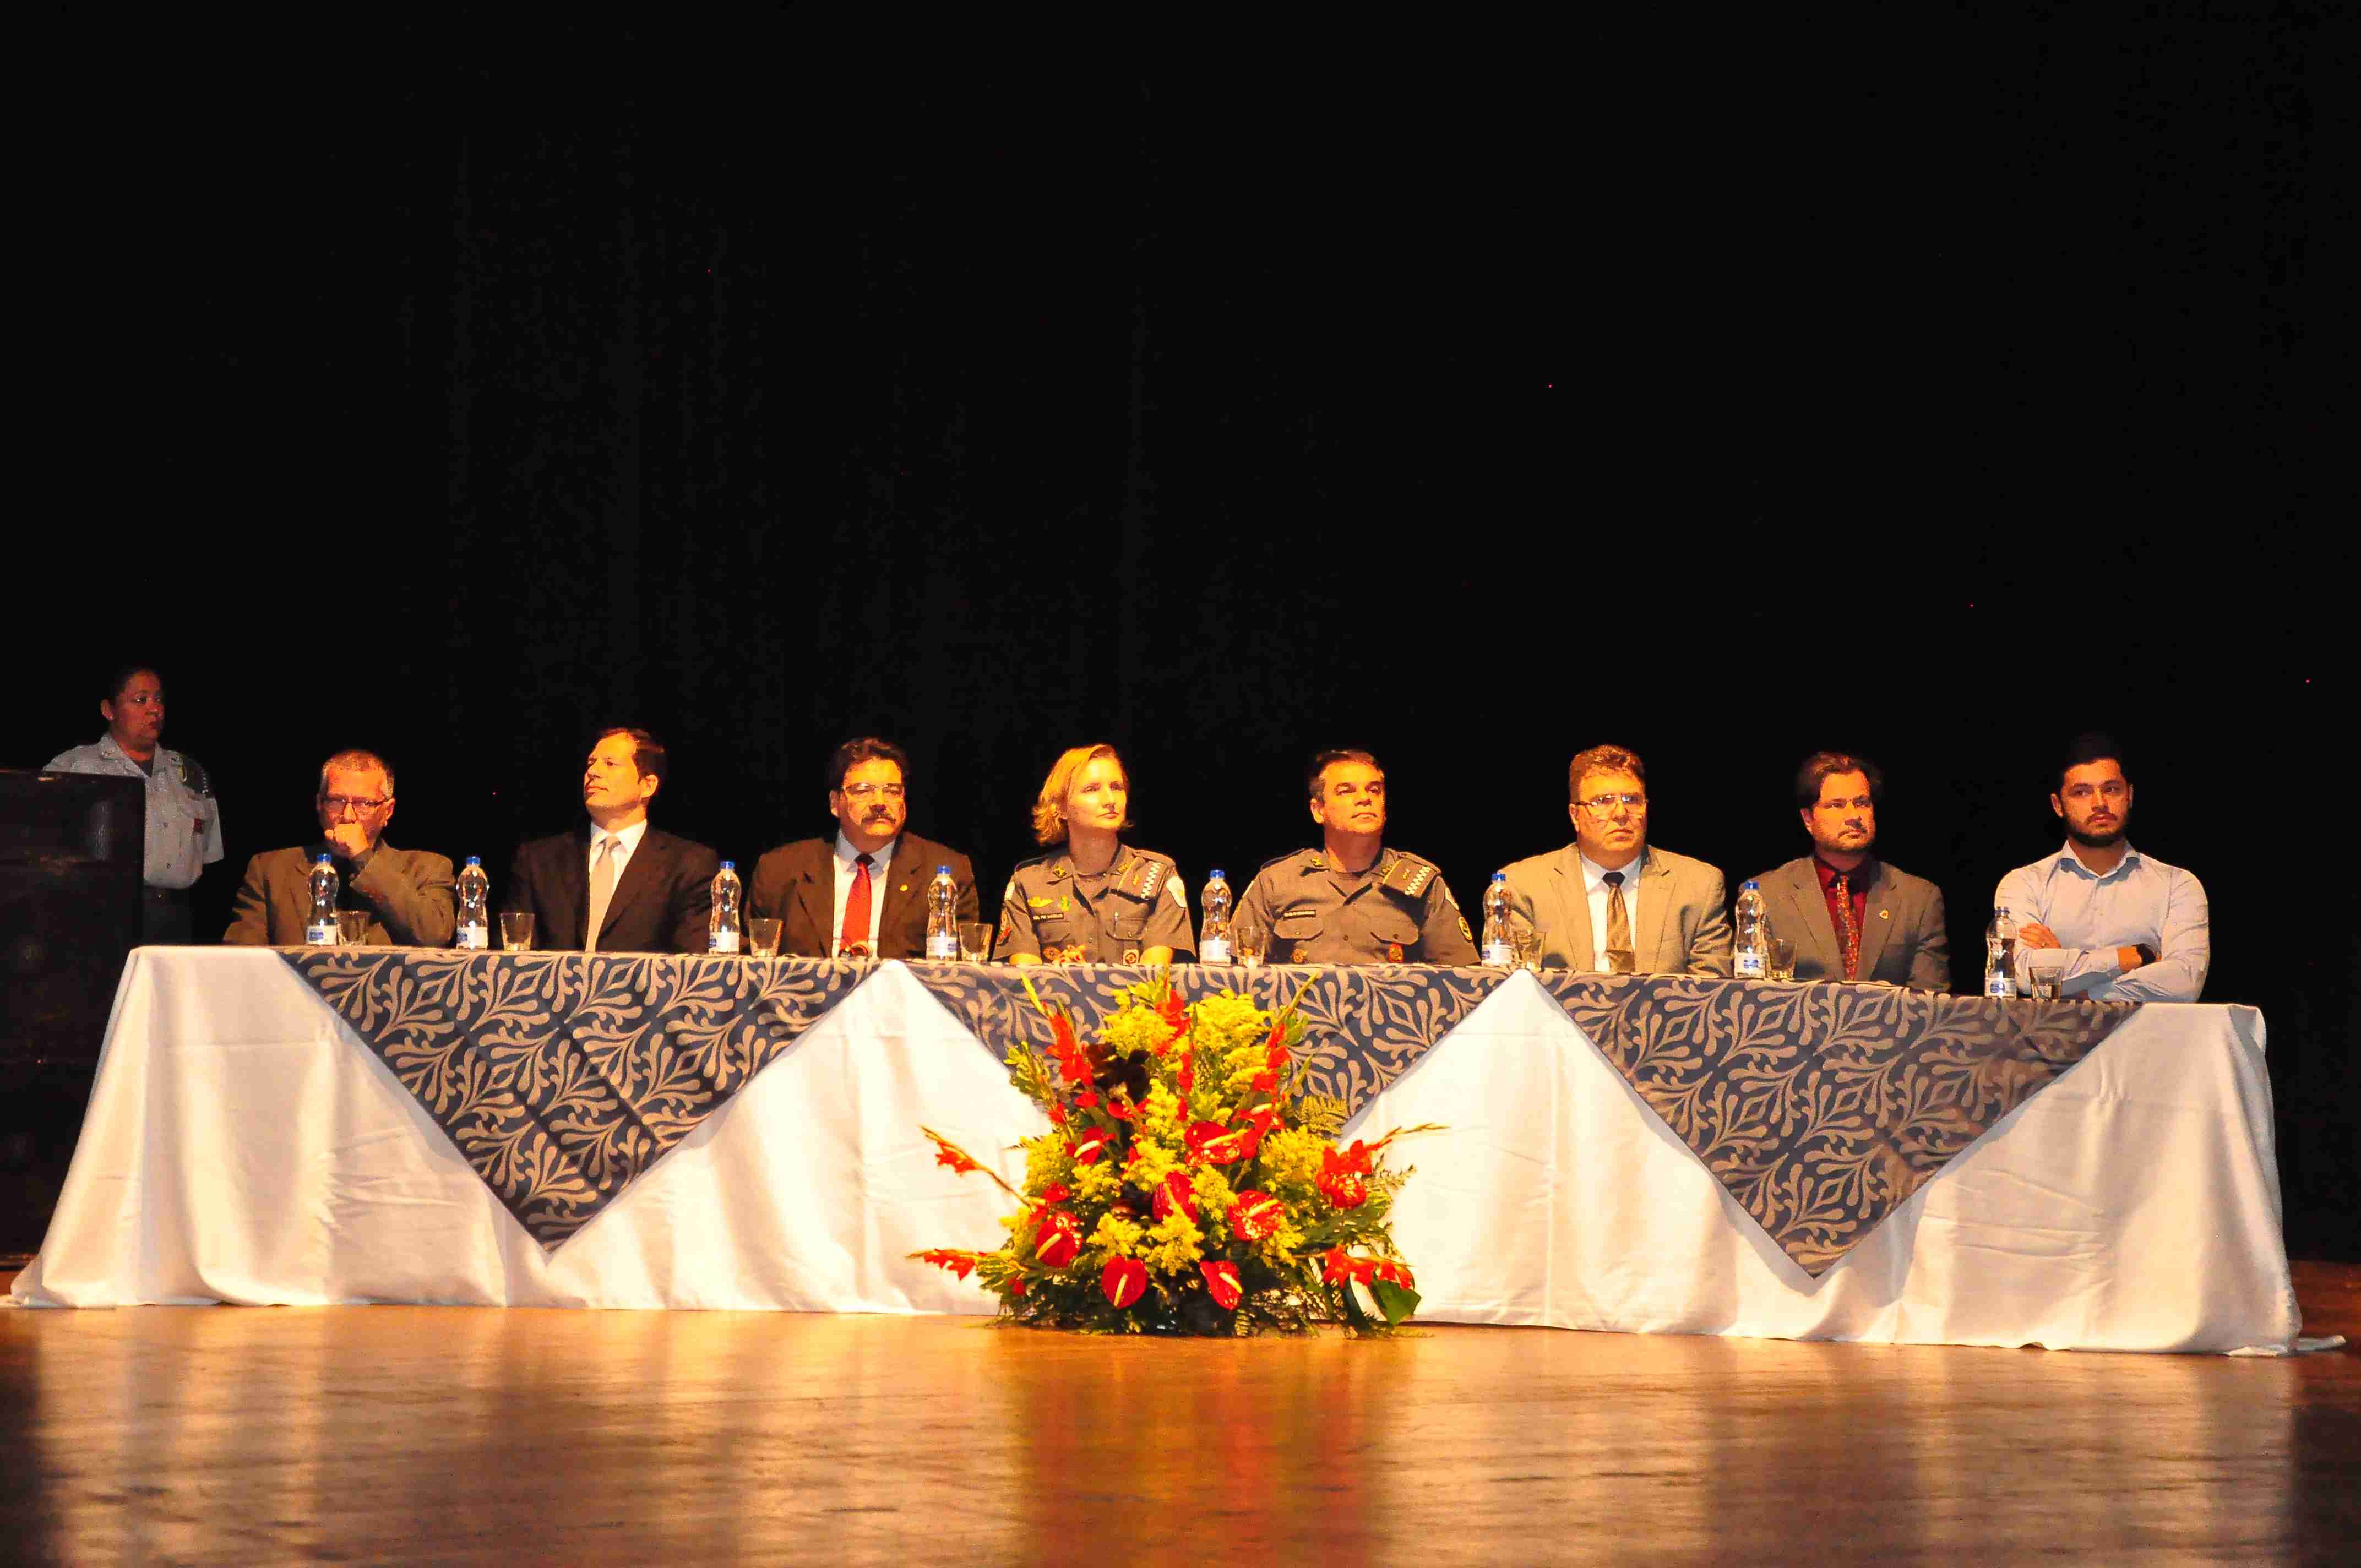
(1151, 1162)
(1134, 1029)
(1096, 1183)
(1046, 1161)
(1114, 1236)
(1213, 1192)
(1291, 1163)
(1178, 1244)
(1160, 1116)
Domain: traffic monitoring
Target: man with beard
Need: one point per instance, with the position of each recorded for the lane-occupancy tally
(616, 884)
(183, 827)
(1852, 916)
(2126, 927)
(1611, 901)
(408, 894)
(863, 894)
(1354, 900)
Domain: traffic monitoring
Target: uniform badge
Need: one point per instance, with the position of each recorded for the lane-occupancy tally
(1131, 955)
(1007, 927)
(1037, 903)
(1393, 953)
(1884, 914)
(1303, 952)
(1464, 931)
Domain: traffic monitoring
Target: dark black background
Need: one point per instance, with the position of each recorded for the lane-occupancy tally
(1933, 391)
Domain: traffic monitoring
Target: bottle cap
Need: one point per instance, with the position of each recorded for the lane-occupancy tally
(728, 866)
(326, 860)
(1217, 875)
(942, 871)
(475, 860)
(1501, 876)
(1755, 886)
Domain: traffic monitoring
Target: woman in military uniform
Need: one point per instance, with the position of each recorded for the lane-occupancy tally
(1093, 899)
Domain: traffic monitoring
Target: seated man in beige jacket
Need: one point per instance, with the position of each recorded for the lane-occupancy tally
(1612, 902)
(408, 894)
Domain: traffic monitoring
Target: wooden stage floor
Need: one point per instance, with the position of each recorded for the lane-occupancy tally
(403, 1434)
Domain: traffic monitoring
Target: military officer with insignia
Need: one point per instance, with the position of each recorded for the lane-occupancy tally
(1095, 899)
(1353, 901)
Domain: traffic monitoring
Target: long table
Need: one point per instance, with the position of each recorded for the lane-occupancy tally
(260, 1131)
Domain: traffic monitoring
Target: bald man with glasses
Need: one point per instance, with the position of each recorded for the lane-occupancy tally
(1611, 901)
(408, 895)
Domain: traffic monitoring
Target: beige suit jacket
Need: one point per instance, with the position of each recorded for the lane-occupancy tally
(1682, 925)
(410, 895)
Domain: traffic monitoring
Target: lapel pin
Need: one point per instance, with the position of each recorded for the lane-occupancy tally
(1883, 913)
(903, 888)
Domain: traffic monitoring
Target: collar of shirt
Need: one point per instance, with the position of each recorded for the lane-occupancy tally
(2069, 861)
(1594, 875)
(114, 753)
(846, 855)
(627, 840)
(1858, 878)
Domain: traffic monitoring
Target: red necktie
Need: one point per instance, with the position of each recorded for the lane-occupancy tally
(1850, 930)
(854, 942)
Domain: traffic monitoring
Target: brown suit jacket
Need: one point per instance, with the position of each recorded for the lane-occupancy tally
(796, 883)
(1903, 938)
(663, 905)
(1682, 927)
(409, 895)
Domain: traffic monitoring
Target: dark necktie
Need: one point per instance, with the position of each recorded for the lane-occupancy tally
(1618, 927)
(1848, 929)
(854, 942)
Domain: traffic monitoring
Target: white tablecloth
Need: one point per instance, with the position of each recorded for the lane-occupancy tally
(243, 1145)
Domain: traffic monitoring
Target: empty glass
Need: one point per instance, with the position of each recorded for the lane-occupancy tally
(516, 930)
(1779, 959)
(1529, 940)
(352, 927)
(762, 936)
(975, 941)
(1249, 942)
(2045, 982)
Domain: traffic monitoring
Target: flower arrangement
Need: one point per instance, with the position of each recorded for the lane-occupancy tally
(1184, 1186)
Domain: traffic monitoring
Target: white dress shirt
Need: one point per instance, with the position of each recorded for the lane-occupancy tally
(2142, 900)
(846, 870)
(1594, 882)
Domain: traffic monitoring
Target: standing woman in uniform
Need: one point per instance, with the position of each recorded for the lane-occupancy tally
(1093, 899)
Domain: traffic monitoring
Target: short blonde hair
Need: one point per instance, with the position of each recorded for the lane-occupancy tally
(1049, 806)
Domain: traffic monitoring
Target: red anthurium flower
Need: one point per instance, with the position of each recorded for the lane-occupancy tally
(1058, 1239)
(1343, 1180)
(1258, 1216)
(1122, 1109)
(1087, 1099)
(1124, 1281)
(1216, 1144)
(1262, 1118)
(1199, 1135)
(1176, 1191)
(1055, 1193)
(1221, 1279)
(1090, 1145)
(1016, 1287)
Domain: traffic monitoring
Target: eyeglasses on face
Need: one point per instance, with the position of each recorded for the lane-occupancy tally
(867, 790)
(337, 805)
(1600, 804)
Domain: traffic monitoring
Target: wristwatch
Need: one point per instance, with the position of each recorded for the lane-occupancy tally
(2146, 953)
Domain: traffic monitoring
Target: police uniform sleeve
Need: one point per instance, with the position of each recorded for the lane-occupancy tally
(1017, 936)
(1168, 919)
(1444, 937)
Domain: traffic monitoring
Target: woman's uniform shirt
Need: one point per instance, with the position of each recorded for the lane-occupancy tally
(1060, 916)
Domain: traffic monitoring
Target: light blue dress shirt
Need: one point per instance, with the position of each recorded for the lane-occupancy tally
(2142, 900)
(183, 827)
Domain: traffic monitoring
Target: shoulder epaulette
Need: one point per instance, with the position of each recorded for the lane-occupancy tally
(1410, 875)
(1145, 877)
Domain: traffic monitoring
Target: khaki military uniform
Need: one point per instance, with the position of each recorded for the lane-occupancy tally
(1397, 911)
(1060, 916)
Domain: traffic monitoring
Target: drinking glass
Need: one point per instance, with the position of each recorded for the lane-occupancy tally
(1779, 960)
(352, 927)
(1529, 940)
(763, 936)
(2045, 982)
(1249, 942)
(975, 941)
(516, 930)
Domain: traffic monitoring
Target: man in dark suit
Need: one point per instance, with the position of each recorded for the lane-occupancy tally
(617, 885)
(863, 895)
(1850, 916)
(407, 894)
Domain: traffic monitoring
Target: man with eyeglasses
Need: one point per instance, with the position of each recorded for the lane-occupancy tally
(1356, 900)
(617, 884)
(1852, 916)
(1610, 901)
(183, 824)
(409, 894)
(863, 894)
(2126, 927)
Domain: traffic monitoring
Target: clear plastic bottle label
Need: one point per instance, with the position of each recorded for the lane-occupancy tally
(944, 944)
(1749, 965)
(1999, 985)
(475, 937)
(722, 942)
(1213, 950)
(1500, 955)
(321, 935)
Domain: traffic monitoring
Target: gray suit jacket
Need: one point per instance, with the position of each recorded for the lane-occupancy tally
(1681, 924)
(1901, 935)
(409, 894)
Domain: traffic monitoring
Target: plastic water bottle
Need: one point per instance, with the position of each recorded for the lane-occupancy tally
(1214, 936)
(1500, 945)
(722, 930)
(321, 930)
(1753, 934)
(2000, 954)
(942, 916)
(474, 898)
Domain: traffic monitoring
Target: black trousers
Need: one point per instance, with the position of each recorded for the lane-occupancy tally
(168, 916)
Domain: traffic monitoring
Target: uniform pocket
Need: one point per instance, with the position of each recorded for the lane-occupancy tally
(1297, 926)
(1391, 926)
